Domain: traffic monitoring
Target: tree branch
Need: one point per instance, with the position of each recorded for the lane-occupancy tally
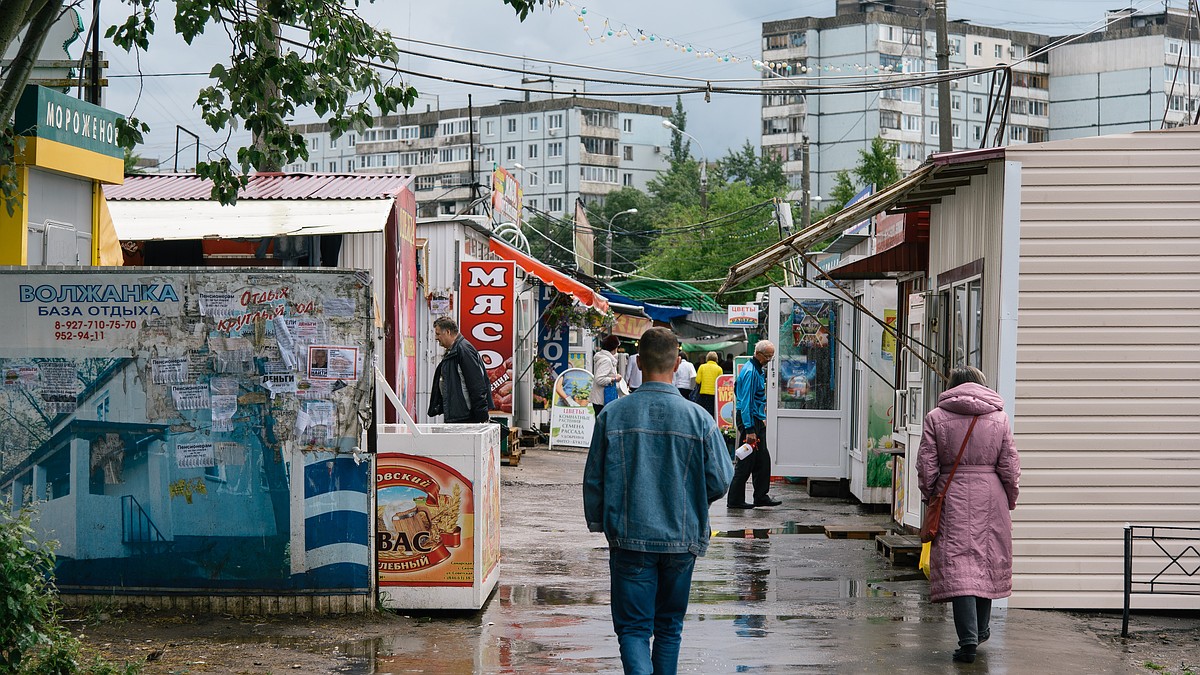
(22, 65)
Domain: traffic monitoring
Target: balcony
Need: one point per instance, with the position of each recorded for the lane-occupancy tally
(586, 129)
(599, 160)
(589, 187)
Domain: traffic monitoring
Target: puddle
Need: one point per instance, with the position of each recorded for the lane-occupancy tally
(790, 527)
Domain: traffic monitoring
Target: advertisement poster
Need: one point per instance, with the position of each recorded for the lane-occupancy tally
(807, 361)
(187, 398)
(406, 220)
(881, 398)
(725, 403)
(572, 418)
(506, 197)
(552, 348)
(424, 523)
(743, 316)
(887, 350)
(486, 318)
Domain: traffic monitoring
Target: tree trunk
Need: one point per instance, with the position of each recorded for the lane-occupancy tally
(22, 65)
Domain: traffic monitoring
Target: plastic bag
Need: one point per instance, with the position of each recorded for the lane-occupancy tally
(924, 563)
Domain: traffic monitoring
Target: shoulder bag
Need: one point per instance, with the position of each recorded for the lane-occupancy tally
(933, 512)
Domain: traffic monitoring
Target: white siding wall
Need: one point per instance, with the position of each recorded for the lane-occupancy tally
(1108, 361)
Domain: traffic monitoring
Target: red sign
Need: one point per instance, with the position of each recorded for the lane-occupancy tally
(486, 320)
(424, 523)
(725, 402)
(889, 231)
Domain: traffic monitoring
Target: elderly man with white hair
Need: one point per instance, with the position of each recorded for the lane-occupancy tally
(750, 391)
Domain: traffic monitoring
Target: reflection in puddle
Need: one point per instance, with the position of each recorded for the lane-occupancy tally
(789, 527)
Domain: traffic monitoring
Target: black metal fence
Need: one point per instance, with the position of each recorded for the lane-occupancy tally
(1177, 546)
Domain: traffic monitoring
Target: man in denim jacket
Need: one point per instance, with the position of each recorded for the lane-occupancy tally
(656, 463)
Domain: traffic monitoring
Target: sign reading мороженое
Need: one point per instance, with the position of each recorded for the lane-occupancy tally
(54, 116)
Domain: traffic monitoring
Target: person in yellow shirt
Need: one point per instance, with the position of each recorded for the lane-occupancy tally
(706, 379)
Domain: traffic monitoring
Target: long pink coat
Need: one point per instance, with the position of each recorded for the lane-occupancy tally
(972, 554)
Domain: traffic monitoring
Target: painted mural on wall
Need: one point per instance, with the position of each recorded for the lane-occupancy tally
(190, 429)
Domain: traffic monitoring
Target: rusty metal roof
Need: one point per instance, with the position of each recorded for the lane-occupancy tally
(185, 187)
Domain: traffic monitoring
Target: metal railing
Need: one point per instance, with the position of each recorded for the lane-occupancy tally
(1172, 544)
(136, 526)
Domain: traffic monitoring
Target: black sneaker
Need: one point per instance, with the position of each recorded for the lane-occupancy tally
(768, 502)
(965, 654)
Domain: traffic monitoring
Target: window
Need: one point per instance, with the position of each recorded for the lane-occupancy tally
(933, 128)
(410, 133)
(1018, 134)
(912, 94)
(776, 41)
(628, 153)
(977, 48)
(977, 78)
(554, 204)
(533, 204)
(956, 46)
(1039, 108)
(455, 127)
(777, 125)
(554, 149)
(512, 125)
(454, 153)
(977, 105)
(598, 174)
(600, 118)
(510, 153)
(956, 103)
(976, 132)
(489, 155)
(313, 166)
(912, 151)
(888, 33)
(333, 167)
(102, 408)
(555, 121)
(627, 125)
(889, 119)
(314, 143)
(555, 176)
(532, 178)
(534, 121)
(332, 143)
(532, 151)
(489, 127)
(887, 60)
(912, 122)
(350, 140)
(627, 179)
(424, 182)
(964, 304)
(350, 165)
(1037, 135)
(428, 130)
(999, 51)
(955, 131)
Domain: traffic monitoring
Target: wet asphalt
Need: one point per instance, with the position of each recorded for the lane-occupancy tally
(773, 595)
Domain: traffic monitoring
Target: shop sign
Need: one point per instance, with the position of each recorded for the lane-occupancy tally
(54, 116)
(631, 326)
(889, 231)
(486, 321)
(423, 523)
(725, 402)
(572, 418)
(743, 315)
(552, 349)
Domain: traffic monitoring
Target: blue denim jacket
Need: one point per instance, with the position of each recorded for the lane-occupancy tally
(656, 463)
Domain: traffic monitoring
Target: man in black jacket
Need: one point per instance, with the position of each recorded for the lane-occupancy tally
(460, 385)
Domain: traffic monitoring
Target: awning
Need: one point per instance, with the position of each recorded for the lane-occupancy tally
(548, 274)
(659, 313)
(907, 257)
(137, 220)
(940, 176)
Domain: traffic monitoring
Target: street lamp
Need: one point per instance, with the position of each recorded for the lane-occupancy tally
(811, 202)
(608, 241)
(703, 162)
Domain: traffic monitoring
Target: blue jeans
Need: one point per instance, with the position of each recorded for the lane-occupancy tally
(649, 597)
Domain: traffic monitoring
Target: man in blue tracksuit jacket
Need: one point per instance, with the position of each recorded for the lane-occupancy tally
(750, 392)
(656, 464)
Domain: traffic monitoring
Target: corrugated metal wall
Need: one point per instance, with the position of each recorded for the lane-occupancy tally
(964, 228)
(1108, 362)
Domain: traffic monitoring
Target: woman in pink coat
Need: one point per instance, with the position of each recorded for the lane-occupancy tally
(970, 563)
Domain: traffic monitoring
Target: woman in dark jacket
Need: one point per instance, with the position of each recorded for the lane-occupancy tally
(970, 563)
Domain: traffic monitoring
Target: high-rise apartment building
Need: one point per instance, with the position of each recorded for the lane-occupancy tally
(1135, 74)
(558, 149)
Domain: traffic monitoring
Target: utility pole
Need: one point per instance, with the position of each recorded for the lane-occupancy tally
(94, 81)
(945, 140)
(267, 43)
(805, 186)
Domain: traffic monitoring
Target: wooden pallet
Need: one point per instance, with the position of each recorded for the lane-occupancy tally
(853, 531)
(513, 456)
(904, 550)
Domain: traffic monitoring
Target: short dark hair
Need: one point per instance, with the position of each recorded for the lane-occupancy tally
(965, 374)
(657, 350)
(445, 323)
(610, 343)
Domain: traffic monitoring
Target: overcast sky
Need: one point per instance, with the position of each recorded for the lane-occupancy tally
(725, 26)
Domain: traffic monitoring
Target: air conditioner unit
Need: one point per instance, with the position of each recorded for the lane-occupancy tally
(657, 149)
(1012, 53)
(552, 131)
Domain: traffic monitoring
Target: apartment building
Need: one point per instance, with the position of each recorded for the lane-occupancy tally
(557, 148)
(891, 36)
(1142, 72)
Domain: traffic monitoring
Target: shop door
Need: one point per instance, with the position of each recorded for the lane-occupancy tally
(808, 384)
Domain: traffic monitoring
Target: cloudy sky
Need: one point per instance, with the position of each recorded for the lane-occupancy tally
(723, 26)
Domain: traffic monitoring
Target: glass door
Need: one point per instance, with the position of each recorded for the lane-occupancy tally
(808, 385)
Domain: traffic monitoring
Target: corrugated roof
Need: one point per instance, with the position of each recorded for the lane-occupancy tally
(183, 187)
